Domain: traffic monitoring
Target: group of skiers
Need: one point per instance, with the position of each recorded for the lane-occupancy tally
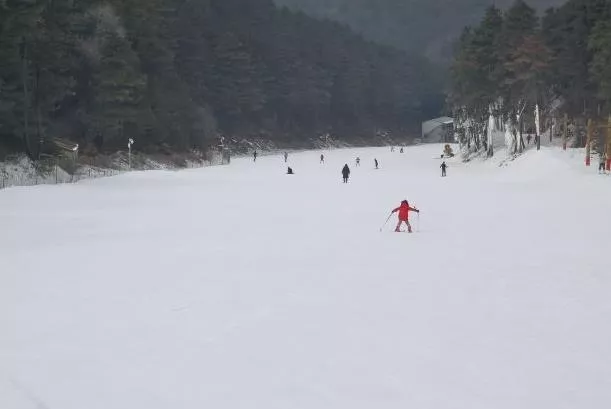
(346, 169)
(404, 208)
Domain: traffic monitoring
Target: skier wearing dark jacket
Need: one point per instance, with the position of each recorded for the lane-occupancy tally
(346, 173)
(404, 210)
(443, 168)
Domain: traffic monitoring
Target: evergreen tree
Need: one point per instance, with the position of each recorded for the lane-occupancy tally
(173, 73)
(600, 67)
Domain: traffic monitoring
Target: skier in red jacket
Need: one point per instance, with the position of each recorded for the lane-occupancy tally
(404, 210)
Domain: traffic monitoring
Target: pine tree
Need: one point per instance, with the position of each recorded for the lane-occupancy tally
(600, 67)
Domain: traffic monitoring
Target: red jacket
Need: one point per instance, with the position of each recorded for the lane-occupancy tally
(404, 211)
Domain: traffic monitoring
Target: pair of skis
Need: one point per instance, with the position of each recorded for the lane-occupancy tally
(401, 231)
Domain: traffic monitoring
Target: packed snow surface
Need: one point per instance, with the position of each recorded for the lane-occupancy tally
(243, 287)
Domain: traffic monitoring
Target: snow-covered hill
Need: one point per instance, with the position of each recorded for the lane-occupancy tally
(243, 287)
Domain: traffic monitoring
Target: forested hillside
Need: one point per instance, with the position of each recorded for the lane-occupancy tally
(513, 62)
(178, 73)
(425, 26)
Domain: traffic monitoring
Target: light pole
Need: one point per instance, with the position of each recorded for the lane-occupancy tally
(130, 142)
(74, 160)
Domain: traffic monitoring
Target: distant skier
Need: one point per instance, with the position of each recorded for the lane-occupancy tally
(375, 161)
(602, 160)
(358, 161)
(346, 173)
(443, 168)
(528, 139)
(401, 151)
(286, 157)
(289, 171)
(322, 158)
(254, 156)
(404, 210)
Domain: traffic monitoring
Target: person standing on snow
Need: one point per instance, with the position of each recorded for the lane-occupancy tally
(254, 156)
(346, 173)
(375, 161)
(443, 168)
(404, 210)
(602, 162)
(322, 158)
(358, 161)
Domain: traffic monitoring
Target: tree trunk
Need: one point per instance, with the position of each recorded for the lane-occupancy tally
(490, 139)
(514, 133)
(551, 130)
(566, 131)
(39, 134)
(521, 144)
(26, 98)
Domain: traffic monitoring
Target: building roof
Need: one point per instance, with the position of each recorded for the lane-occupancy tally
(431, 124)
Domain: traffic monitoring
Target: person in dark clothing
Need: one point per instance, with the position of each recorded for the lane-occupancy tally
(401, 151)
(602, 161)
(358, 161)
(528, 138)
(443, 168)
(289, 171)
(322, 158)
(254, 156)
(346, 173)
(375, 161)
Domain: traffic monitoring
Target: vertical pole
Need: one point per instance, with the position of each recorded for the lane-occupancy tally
(129, 154)
(566, 130)
(589, 140)
(26, 98)
(609, 145)
(538, 126)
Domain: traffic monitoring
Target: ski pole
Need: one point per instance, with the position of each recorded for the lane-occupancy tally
(386, 221)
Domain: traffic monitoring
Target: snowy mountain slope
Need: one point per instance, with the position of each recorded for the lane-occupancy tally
(243, 287)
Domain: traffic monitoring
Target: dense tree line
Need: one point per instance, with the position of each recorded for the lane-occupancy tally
(428, 26)
(513, 61)
(177, 73)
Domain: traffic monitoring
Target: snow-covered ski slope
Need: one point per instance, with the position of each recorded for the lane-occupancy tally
(242, 287)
